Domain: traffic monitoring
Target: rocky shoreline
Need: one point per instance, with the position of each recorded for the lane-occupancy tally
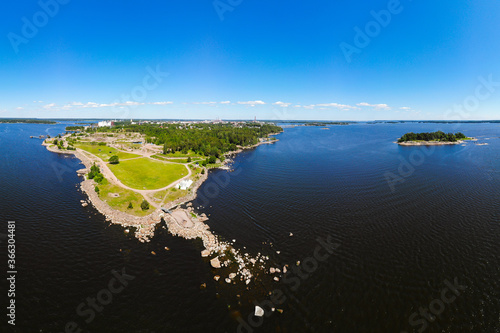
(144, 225)
(429, 143)
(189, 226)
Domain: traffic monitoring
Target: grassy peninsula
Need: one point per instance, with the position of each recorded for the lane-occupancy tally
(146, 161)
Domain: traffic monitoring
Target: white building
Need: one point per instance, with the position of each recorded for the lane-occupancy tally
(105, 123)
(184, 184)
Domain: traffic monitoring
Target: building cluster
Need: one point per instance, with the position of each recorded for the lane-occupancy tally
(181, 123)
(105, 123)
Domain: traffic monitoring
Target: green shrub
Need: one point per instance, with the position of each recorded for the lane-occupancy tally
(130, 205)
(98, 178)
(144, 205)
(114, 159)
(94, 170)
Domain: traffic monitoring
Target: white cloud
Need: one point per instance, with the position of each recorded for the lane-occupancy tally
(19, 108)
(100, 105)
(90, 105)
(162, 103)
(282, 104)
(405, 108)
(252, 103)
(204, 103)
(225, 102)
(376, 106)
(49, 106)
(326, 106)
(338, 106)
(127, 103)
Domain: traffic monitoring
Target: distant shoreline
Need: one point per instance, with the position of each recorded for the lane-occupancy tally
(27, 121)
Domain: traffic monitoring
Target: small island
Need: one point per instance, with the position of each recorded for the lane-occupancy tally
(433, 138)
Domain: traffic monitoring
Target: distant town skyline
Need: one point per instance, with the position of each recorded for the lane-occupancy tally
(383, 60)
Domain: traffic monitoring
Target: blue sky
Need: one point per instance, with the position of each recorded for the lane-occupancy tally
(236, 59)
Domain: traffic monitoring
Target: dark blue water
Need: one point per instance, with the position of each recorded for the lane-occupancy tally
(407, 220)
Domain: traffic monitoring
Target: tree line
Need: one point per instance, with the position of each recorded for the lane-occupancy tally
(26, 121)
(204, 139)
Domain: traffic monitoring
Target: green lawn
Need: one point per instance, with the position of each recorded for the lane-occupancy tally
(171, 194)
(121, 203)
(105, 152)
(147, 174)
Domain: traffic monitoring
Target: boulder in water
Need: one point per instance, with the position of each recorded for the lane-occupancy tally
(259, 312)
(215, 263)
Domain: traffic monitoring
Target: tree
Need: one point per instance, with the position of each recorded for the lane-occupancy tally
(94, 170)
(114, 159)
(99, 178)
(97, 189)
(211, 160)
(434, 136)
(189, 159)
(130, 205)
(144, 205)
(203, 171)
